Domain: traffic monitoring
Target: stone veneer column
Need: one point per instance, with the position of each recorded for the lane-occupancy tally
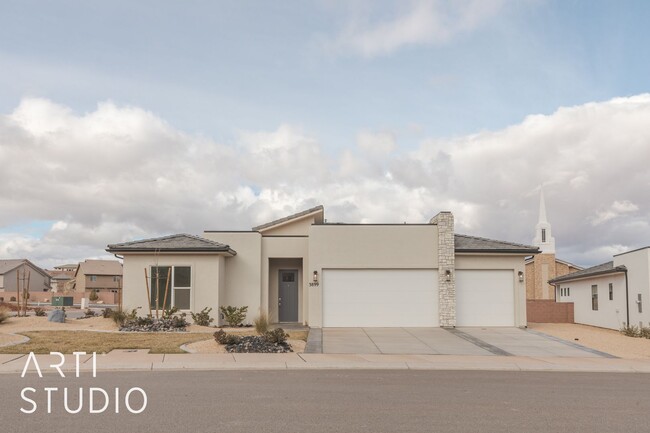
(446, 262)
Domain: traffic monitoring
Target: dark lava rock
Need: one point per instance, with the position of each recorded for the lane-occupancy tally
(258, 344)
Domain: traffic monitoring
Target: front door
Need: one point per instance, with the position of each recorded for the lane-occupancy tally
(288, 296)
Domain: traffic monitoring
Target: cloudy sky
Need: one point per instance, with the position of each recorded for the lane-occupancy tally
(122, 120)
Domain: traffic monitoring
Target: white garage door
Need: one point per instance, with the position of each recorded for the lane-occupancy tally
(485, 298)
(380, 298)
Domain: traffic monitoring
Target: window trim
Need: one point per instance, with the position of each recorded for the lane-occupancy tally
(173, 288)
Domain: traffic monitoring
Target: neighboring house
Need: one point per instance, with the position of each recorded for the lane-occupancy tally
(102, 276)
(301, 269)
(61, 276)
(612, 294)
(11, 270)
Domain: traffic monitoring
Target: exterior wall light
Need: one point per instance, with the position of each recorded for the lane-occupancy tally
(448, 275)
(521, 276)
(315, 277)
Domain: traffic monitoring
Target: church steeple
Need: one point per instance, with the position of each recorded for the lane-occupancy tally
(543, 236)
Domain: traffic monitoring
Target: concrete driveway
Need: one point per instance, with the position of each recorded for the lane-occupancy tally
(458, 341)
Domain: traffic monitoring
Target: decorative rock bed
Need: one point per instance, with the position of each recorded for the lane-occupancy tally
(270, 342)
(155, 325)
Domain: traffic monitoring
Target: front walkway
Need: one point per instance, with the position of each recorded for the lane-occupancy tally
(457, 341)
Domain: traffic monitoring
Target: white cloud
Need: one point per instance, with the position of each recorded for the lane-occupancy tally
(121, 173)
(418, 22)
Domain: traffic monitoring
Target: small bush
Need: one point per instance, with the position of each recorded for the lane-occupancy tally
(12, 299)
(226, 339)
(169, 312)
(89, 313)
(261, 323)
(630, 331)
(119, 317)
(40, 312)
(107, 313)
(644, 332)
(277, 336)
(234, 316)
(4, 314)
(93, 296)
(203, 318)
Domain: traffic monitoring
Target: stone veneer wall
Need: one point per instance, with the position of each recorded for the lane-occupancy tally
(446, 261)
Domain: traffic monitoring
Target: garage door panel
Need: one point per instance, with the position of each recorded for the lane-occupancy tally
(485, 298)
(380, 297)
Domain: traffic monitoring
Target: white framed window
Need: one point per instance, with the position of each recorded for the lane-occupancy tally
(543, 235)
(93, 278)
(175, 282)
(594, 297)
(116, 278)
(639, 303)
(611, 291)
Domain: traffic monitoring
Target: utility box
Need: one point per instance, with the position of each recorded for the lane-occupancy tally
(62, 301)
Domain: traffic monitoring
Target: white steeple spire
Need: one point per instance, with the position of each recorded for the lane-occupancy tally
(543, 236)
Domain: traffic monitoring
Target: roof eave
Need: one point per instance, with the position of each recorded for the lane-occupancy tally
(617, 270)
(493, 251)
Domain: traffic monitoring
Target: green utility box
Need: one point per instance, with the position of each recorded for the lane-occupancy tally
(62, 301)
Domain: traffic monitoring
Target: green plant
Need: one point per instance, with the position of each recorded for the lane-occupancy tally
(630, 331)
(119, 317)
(4, 314)
(234, 316)
(40, 312)
(226, 339)
(203, 318)
(93, 295)
(107, 313)
(89, 313)
(277, 336)
(261, 323)
(169, 312)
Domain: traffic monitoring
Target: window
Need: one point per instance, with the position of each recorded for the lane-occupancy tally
(116, 278)
(638, 302)
(568, 291)
(175, 282)
(93, 278)
(594, 297)
(543, 235)
(611, 291)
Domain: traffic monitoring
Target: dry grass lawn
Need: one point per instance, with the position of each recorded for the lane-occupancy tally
(102, 342)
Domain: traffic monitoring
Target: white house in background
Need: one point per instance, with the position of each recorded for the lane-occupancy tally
(610, 295)
(301, 269)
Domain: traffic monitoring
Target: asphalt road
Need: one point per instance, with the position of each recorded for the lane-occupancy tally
(337, 401)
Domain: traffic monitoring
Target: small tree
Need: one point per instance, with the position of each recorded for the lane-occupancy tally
(234, 316)
(93, 295)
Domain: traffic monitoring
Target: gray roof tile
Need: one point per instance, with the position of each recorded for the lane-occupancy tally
(464, 243)
(173, 243)
(605, 268)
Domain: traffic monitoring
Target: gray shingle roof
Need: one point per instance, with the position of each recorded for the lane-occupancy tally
(11, 264)
(173, 243)
(472, 244)
(99, 267)
(605, 268)
(289, 218)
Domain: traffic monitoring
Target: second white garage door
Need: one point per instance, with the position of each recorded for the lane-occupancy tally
(485, 298)
(380, 297)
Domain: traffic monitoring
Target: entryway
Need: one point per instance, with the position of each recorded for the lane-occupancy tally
(288, 295)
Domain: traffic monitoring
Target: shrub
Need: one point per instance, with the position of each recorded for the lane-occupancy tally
(644, 332)
(226, 339)
(261, 323)
(277, 336)
(93, 295)
(630, 331)
(119, 317)
(169, 312)
(203, 318)
(107, 313)
(40, 312)
(89, 313)
(4, 314)
(234, 316)
(12, 299)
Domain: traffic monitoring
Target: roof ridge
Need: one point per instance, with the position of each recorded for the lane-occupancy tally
(302, 213)
(159, 238)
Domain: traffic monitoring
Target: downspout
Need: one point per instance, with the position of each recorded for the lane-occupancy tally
(627, 299)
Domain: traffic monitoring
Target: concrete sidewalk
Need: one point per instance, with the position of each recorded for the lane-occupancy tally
(141, 360)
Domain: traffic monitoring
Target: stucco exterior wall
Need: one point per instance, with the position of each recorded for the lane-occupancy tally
(638, 274)
(500, 262)
(37, 281)
(610, 314)
(542, 268)
(207, 273)
(366, 247)
(243, 272)
(103, 282)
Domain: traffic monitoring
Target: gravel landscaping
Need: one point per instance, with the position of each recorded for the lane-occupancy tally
(605, 340)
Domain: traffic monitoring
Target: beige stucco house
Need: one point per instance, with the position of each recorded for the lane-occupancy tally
(102, 276)
(302, 269)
